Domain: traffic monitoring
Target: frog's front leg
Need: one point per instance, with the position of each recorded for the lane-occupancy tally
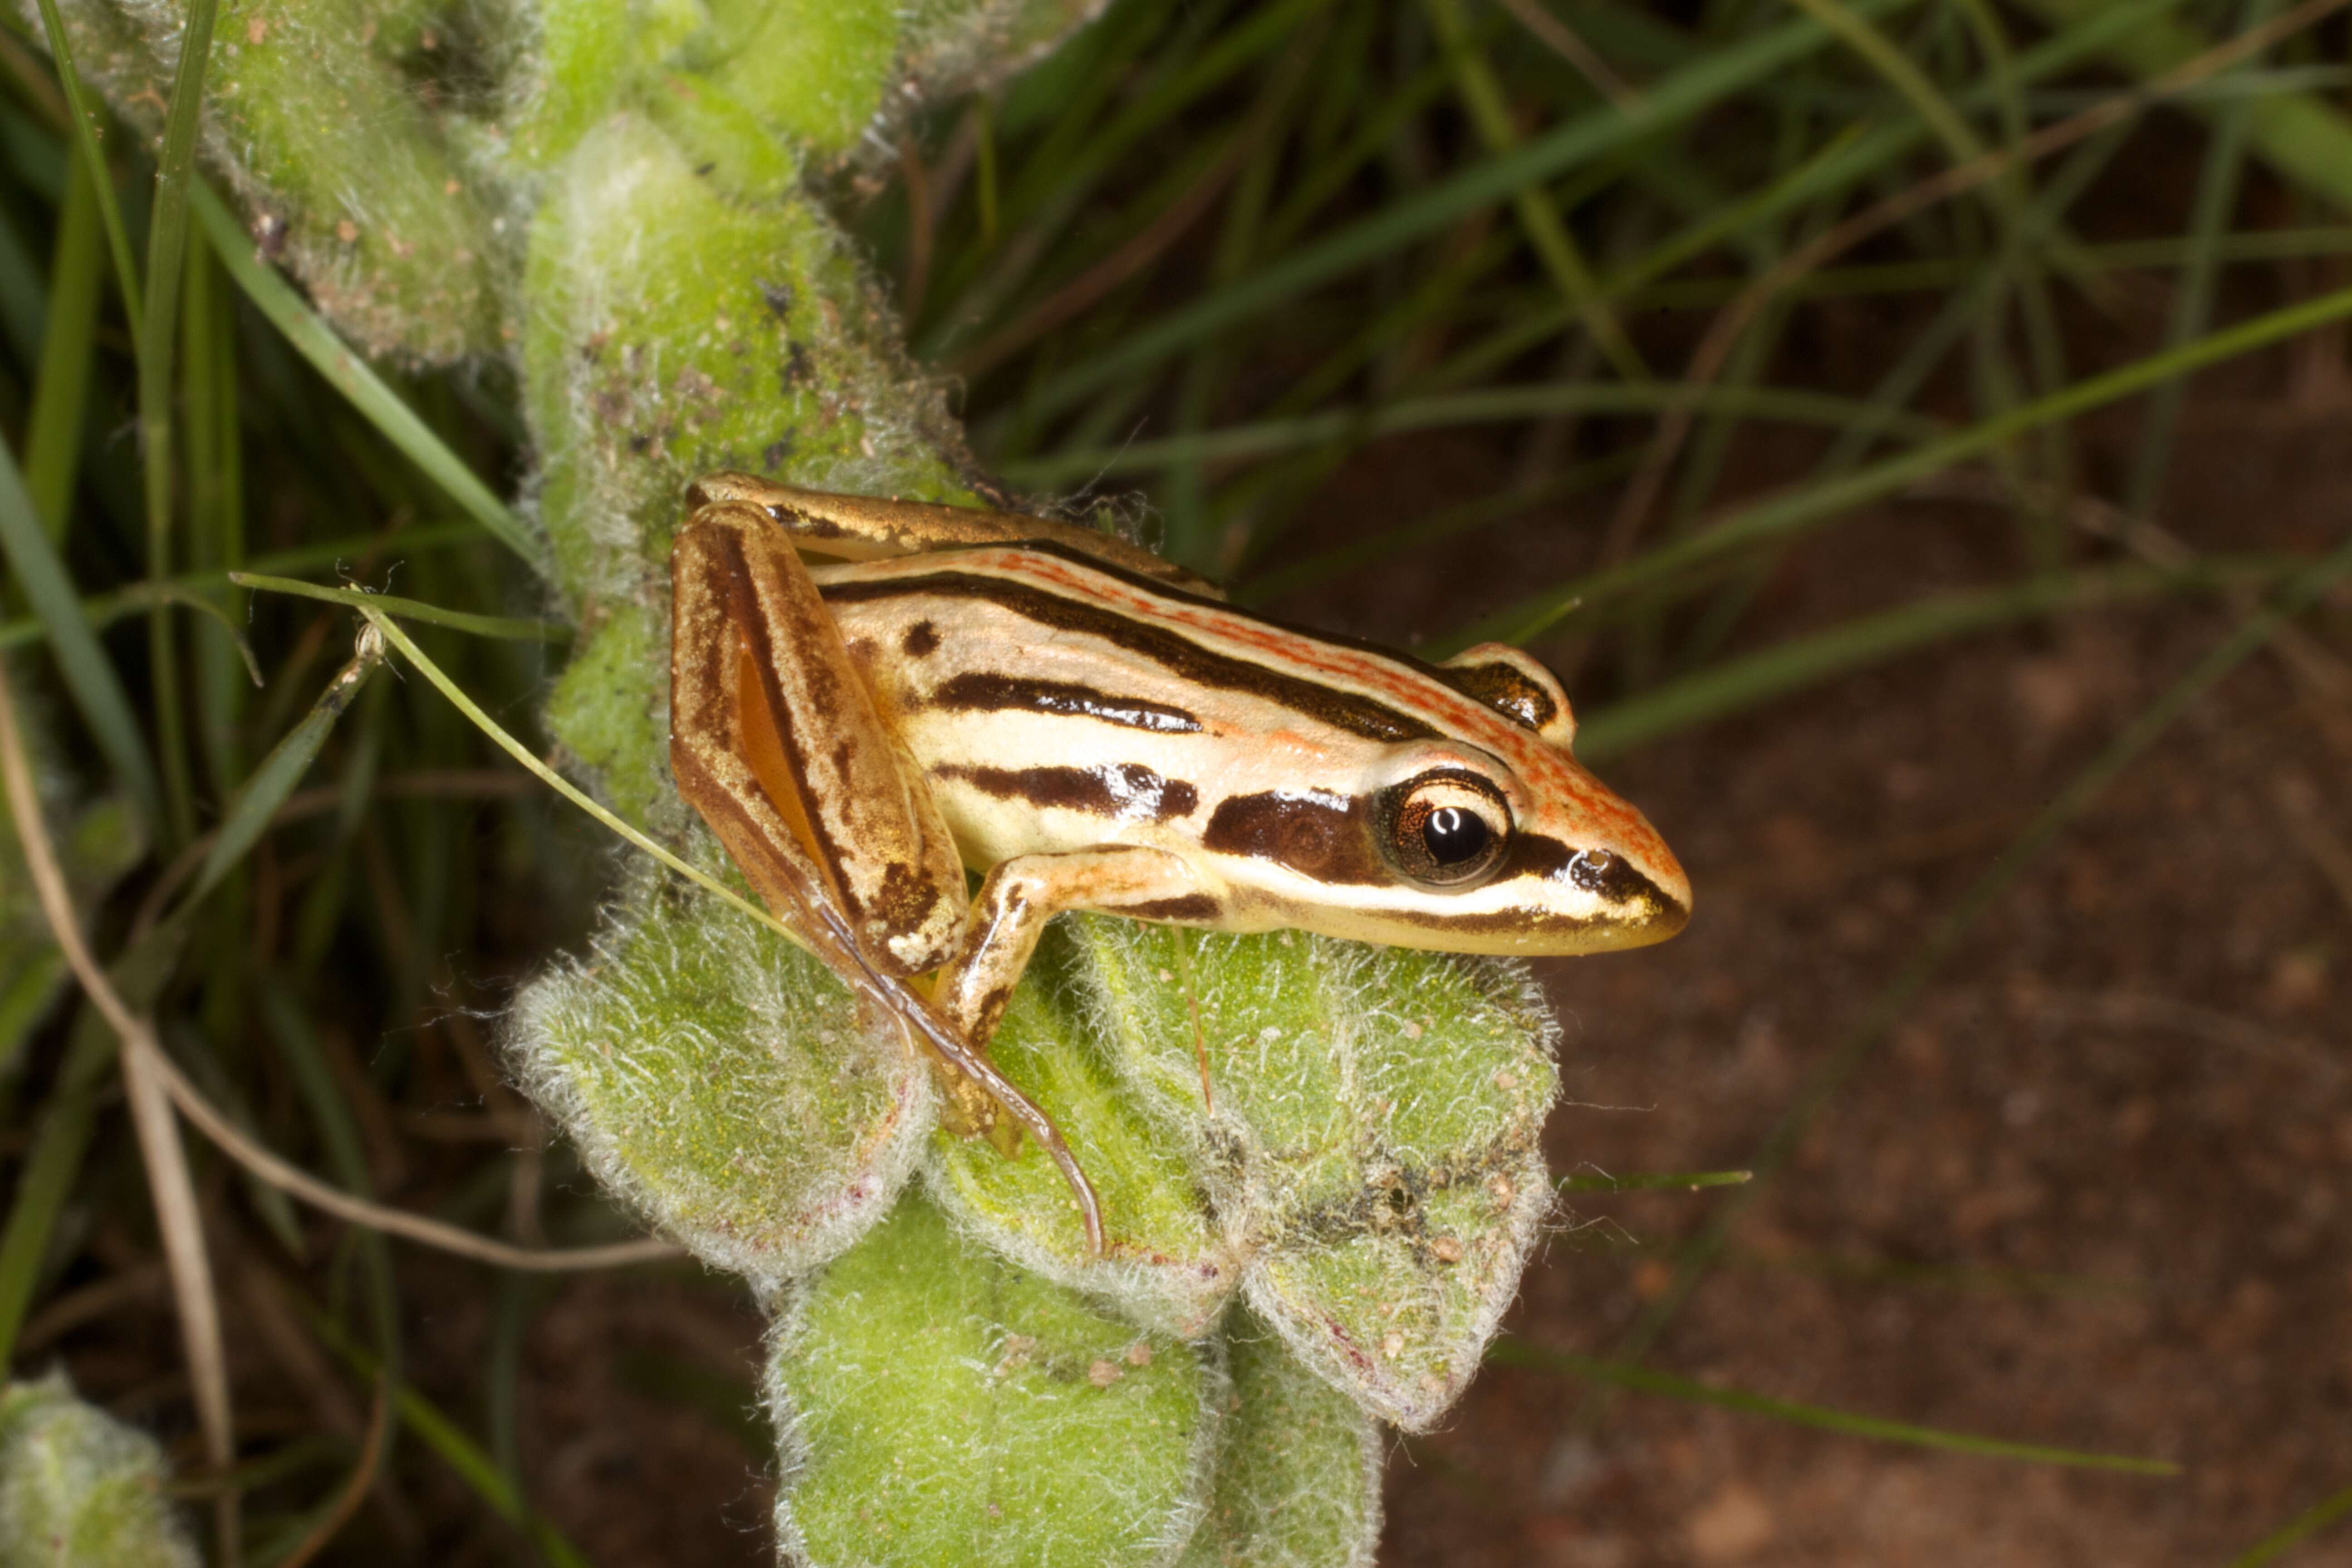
(1021, 894)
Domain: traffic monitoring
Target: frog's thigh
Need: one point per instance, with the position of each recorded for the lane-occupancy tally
(777, 741)
(1025, 892)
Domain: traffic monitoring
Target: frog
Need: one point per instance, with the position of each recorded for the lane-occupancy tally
(874, 699)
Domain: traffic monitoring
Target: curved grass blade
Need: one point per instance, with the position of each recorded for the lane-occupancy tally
(506, 627)
(102, 610)
(1798, 510)
(2304, 139)
(42, 1183)
(342, 365)
(1492, 405)
(1673, 99)
(96, 690)
(45, 1179)
(1737, 684)
(1519, 1352)
(281, 769)
(448, 1440)
(2296, 1531)
(565, 787)
(288, 1027)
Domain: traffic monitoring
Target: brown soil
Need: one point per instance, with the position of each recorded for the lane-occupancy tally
(2093, 1190)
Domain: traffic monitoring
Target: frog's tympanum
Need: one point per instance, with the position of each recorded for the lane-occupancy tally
(1092, 727)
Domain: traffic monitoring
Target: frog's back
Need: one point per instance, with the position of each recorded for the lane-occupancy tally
(1056, 704)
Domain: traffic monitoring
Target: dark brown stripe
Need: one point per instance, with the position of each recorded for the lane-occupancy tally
(1507, 689)
(1121, 790)
(1612, 875)
(1193, 907)
(992, 693)
(1308, 834)
(1179, 655)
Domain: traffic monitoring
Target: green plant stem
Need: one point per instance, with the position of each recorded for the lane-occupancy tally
(102, 610)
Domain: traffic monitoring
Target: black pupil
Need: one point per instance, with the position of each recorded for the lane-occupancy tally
(1454, 834)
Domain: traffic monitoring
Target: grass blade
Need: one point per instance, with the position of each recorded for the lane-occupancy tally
(82, 663)
(1488, 406)
(281, 769)
(102, 610)
(1737, 684)
(316, 341)
(2304, 139)
(506, 627)
(1519, 1352)
(2296, 1531)
(564, 786)
(167, 239)
(61, 384)
(464, 1456)
(45, 1181)
(1673, 99)
(1799, 510)
(85, 135)
(1655, 1181)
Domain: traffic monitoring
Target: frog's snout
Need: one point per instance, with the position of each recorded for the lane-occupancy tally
(1643, 885)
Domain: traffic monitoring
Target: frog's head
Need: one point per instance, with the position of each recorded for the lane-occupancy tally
(1510, 832)
(1487, 837)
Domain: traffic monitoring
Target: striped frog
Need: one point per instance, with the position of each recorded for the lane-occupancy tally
(1092, 727)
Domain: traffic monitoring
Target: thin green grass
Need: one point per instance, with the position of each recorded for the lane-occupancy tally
(1509, 1352)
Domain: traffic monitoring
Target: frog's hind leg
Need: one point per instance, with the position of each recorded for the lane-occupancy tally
(775, 739)
(872, 528)
(777, 743)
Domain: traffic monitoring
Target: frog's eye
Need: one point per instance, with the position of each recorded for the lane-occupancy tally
(1445, 829)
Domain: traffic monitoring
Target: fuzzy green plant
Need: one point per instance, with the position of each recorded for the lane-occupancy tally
(81, 1489)
(1318, 1162)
